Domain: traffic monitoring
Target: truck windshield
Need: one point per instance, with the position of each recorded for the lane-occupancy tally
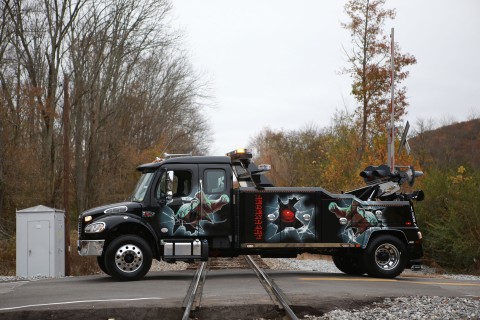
(142, 186)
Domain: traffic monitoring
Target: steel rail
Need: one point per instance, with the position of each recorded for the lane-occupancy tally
(194, 291)
(272, 289)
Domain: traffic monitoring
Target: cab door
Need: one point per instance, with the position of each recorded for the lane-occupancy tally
(179, 215)
(216, 218)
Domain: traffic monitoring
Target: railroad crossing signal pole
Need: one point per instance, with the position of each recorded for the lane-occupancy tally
(391, 129)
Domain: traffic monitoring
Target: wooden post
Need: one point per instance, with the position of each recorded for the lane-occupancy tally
(66, 170)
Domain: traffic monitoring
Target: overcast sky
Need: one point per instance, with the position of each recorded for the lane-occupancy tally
(276, 63)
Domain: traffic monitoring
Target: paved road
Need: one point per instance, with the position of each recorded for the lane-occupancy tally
(226, 293)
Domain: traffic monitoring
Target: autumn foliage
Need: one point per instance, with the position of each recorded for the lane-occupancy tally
(369, 66)
(132, 95)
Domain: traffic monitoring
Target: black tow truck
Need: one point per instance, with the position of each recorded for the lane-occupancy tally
(189, 208)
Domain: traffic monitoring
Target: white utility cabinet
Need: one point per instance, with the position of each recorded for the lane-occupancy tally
(40, 242)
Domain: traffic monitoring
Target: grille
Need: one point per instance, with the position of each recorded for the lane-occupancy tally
(79, 226)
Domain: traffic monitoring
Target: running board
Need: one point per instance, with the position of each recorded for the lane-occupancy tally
(183, 249)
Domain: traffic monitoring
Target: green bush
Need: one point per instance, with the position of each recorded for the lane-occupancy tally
(450, 219)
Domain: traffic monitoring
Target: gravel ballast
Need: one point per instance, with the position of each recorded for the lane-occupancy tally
(414, 307)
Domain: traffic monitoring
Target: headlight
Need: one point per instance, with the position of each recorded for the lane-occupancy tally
(95, 227)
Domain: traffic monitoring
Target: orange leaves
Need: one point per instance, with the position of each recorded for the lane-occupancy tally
(370, 68)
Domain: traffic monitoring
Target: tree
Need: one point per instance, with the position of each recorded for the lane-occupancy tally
(134, 96)
(132, 92)
(39, 34)
(297, 157)
(369, 67)
(449, 218)
(340, 172)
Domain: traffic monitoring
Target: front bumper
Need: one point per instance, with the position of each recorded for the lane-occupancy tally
(90, 247)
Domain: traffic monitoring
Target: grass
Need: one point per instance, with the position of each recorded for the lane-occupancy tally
(79, 266)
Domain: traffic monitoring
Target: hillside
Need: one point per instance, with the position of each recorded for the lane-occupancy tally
(449, 146)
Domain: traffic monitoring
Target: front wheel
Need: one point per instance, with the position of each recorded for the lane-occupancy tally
(101, 263)
(385, 257)
(128, 257)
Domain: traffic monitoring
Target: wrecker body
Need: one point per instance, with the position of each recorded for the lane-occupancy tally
(189, 208)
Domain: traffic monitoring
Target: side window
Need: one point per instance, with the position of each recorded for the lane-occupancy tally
(215, 181)
(181, 184)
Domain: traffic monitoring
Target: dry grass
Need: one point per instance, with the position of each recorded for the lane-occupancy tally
(311, 256)
(7, 257)
(79, 266)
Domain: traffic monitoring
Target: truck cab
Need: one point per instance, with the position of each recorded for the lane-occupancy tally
(190, 208)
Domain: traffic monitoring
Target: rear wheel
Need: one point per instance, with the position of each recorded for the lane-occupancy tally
(349, 263)
(128, 257)
(385, 257)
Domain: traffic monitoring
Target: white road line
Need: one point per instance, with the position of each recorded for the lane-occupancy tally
(79, 301)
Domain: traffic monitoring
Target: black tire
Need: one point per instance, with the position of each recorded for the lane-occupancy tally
(385, 257)
(128, 258)
(101, 263)
(349, 263)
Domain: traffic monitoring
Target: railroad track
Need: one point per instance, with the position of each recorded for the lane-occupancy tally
(229, 263)
(275, 293)
(194, 293)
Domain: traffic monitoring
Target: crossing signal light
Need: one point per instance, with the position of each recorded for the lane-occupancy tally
(409, 175)
(382, 172)
(374, 173)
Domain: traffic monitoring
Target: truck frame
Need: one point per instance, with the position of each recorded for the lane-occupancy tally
(189, 208)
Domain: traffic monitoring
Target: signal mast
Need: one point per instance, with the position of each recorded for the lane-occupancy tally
(391, 129)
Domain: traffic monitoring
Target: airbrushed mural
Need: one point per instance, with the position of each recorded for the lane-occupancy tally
(361, 219)
(281, 218)
(310, 217)
(200, 215)
(290, 220)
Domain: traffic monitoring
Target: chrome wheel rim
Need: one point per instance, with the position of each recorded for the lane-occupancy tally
(129, 258)
(387, 256)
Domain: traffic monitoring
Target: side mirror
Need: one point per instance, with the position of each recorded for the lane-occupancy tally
(165, 187)
(169, 185)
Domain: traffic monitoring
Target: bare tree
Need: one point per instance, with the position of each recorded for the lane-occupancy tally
(133, 96)
(39, 29)
(133, 91)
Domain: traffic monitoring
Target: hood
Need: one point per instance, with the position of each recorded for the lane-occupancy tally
(131, 207)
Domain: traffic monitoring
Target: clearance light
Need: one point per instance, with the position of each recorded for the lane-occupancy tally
(119, 209)
(87, 219)
(408, 223)
(240, 153)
